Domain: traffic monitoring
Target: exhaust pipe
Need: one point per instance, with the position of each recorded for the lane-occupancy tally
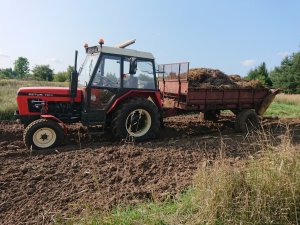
(74, 78)
(125, 44)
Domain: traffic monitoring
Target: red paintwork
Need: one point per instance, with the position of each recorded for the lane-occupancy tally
(46, 94)
(22, 97)
(178, 94)
(155, 96)
(51, 117)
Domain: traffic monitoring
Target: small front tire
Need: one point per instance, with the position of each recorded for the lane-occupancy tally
(43, 134)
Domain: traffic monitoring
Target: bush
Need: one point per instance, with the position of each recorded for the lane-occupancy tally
(62, 77)
(42, 73)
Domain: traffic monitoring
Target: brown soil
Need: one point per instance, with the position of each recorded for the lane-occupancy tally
(95, 172)
(213, 78)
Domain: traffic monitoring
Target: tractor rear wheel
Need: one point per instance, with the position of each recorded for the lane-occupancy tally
(42, 134)
(136, 120)
(246, 120)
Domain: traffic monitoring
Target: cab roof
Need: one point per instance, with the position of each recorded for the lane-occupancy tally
(120, 51)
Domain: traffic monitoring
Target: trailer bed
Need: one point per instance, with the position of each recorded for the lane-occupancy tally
(177, 94)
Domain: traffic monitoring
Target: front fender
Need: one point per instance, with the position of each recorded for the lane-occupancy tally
(51, 117)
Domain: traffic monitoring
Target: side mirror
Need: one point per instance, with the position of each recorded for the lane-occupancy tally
(73, 84)
(133, 66)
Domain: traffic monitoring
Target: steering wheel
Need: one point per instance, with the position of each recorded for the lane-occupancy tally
(105, 82)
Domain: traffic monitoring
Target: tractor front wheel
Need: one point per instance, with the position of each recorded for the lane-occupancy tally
(43, 134)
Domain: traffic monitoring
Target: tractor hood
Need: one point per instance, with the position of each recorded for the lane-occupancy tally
(50, 93)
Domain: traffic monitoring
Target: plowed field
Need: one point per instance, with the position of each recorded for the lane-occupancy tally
(96, 172)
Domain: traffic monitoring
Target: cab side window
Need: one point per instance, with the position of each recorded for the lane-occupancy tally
(144, 77)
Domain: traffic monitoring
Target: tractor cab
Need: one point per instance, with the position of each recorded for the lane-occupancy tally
(109, 73)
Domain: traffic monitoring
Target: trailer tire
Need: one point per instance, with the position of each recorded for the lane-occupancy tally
(212, 115)
(43, 134)
(136, 120)
(246, 120)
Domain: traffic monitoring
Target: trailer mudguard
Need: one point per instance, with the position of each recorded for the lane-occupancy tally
(267, 101)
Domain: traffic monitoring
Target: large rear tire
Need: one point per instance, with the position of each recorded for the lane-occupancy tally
(246, 120)
(43, 134)
(136, 120)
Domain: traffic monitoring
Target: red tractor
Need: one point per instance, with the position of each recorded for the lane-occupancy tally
(115, 88)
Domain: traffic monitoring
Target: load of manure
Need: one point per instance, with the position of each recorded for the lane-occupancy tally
(213, 78)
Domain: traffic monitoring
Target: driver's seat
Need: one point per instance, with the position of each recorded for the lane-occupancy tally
(133, 82)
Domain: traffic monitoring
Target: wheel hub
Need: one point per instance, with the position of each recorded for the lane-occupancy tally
(44, 137)
(138, 123)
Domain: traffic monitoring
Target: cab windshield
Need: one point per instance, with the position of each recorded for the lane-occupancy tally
(87, 69)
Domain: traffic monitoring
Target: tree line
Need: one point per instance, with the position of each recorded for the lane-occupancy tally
(286, 76)
(39, 72)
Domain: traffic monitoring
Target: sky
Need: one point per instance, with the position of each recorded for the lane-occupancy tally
(231, 35)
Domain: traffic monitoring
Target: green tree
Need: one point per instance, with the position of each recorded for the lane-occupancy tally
(260, 73)
(287, 75)
(7, 73)
(62, 76)
(70, 69)
(42, 72)
(21, 67)
(112, 77)
(145, 77)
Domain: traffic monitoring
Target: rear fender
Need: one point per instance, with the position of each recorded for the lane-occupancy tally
(51, 117)
(154, 95)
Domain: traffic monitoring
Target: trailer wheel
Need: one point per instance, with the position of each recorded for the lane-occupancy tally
(246, 120)
(42, 134)
(212, 115)
(136, 120)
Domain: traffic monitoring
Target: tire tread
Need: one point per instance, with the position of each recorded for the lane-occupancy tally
(118, 118)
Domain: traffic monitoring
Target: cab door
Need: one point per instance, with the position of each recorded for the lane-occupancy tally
(104, 86)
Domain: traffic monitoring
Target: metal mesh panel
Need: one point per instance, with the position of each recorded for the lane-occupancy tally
(171, 71)
(159, 70)
(184, 69)
(174, 71)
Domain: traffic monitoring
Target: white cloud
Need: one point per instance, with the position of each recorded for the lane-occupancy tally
(3, 55)
(55, 61)
(248, 62)
(283, 54)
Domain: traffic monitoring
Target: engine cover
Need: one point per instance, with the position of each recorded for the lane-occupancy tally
(28, 95)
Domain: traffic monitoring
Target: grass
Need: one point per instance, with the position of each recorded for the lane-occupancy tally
(288, 99)
(8, 92)
(263, 189)
(283, 110)
(285, 106)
